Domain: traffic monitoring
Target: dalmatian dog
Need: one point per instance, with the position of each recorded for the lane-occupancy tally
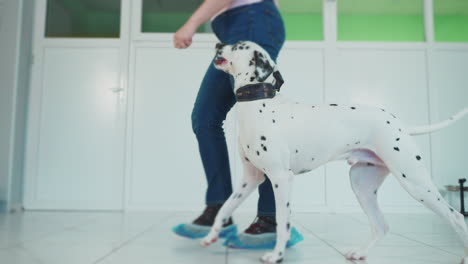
(279, 139)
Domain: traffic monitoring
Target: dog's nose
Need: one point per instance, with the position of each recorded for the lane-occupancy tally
(220, 46)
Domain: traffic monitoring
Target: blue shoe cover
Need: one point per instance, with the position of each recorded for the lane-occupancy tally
(263, 241)
(193, 231)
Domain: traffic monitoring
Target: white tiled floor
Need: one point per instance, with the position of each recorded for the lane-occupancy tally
(146, 237)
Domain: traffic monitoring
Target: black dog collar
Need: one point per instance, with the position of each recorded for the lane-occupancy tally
(256, 91)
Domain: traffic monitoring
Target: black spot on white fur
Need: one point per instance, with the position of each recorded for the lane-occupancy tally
(396, 148)
(263, 138)
(418, 157)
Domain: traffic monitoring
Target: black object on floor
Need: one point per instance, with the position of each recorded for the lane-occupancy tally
(462, 197)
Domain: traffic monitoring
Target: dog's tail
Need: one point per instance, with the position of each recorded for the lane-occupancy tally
(414, 131)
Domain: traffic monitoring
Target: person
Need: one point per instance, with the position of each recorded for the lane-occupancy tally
(232, 21)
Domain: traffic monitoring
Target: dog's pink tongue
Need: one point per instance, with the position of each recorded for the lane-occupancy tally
(219, 61)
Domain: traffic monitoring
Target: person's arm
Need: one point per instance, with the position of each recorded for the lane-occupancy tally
(209, 8)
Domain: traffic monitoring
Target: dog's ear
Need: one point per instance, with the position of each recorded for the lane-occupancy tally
(263, 68)
(279, 80)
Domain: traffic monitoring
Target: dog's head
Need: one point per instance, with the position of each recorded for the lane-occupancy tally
(248, 63)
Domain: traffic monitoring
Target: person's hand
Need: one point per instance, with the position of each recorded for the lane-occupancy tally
(183, 36)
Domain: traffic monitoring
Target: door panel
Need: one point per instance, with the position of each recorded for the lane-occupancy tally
(80, 161)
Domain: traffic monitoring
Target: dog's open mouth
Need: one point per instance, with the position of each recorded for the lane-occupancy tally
(220, 61)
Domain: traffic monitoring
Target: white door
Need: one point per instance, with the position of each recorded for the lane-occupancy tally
(76, 128)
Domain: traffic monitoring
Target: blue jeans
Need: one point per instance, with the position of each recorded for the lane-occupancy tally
(261, 23)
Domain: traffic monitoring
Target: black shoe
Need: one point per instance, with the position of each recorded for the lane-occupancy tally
(262, 225)
(208, 216)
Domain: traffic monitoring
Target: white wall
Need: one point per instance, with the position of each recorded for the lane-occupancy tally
(9, 28)
(15, 50)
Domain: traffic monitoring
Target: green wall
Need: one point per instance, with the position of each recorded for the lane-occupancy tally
(381, 28)
(451, 28)
(303, 26)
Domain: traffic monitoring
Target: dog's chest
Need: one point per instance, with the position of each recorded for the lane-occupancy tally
(270, 132)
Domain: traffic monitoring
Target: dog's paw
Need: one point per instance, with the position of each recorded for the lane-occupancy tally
(357, 254)
(211, 238)
(272, 257)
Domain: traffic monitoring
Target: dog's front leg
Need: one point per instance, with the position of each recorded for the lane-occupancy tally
(282, 183)
(252, 178)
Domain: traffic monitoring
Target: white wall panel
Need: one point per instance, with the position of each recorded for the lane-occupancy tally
(391, 79)
(164, 148)
(80, 158)
(302, 70)
(166, 170)
(449, 94)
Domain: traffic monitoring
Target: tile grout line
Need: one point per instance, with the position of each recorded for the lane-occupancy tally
(325, 242)
(31, 254)
(414, 240)
(227, 255)
(126, 242)
(428, 245)
(20, 244)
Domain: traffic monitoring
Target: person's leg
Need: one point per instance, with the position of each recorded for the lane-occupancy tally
(214, 100)
(268, 31)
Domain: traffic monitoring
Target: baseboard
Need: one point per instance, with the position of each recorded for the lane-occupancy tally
(17, 207)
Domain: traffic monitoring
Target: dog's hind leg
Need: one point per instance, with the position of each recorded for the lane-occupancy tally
(365, 181)
(407, 166)
(282, 183)
(253, 177)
